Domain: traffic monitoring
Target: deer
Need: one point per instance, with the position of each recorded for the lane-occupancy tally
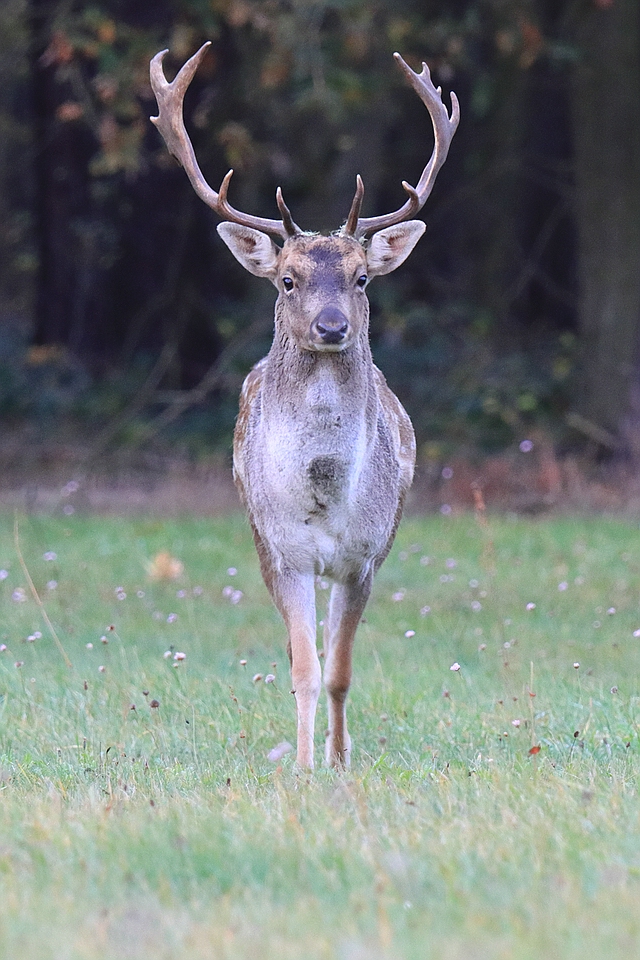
(323, 450)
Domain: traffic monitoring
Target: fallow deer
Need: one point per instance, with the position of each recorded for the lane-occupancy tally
(323, 451)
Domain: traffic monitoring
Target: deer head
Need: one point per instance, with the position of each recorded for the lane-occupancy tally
(321, 281)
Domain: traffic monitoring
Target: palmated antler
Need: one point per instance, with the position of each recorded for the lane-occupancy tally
(170, 123)
(444, 127)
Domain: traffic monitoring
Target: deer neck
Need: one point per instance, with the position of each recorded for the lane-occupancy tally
(317, 386)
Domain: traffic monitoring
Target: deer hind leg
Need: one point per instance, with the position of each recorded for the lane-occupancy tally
(294, 595)
(346, 605)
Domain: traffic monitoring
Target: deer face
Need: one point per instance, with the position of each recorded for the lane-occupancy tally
(321, 281)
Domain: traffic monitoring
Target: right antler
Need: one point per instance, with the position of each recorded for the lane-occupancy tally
(444, 127)
(170, 123)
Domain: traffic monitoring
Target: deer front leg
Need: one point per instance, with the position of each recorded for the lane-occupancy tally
(295, 598)
(346, 605)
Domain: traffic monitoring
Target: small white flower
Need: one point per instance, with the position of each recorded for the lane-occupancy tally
(19, 595)
(447, 473)
(409, 634)
(455, 667)
(425, 610)
(231, 572)
(531, 606)
(167, 654)
(4, 574)
(576, 665)
(398, 596)
(172, 618)
(515, 723)
(451, 563)
(52, 585)
(49, 556)
(270, 677)
(236, 597)
(476, 606)
(89, 646)
(611, 611)
(101, 669)
(563, 586)
(178, 655)
(526, 446)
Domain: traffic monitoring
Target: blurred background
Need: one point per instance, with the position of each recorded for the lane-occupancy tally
(125, 325)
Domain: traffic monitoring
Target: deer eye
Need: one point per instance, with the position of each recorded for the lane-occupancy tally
(287, 283)
(362, 281)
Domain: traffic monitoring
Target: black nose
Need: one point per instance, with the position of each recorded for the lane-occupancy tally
(330, 326)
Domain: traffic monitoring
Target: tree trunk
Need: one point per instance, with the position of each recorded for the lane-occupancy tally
(606, 114)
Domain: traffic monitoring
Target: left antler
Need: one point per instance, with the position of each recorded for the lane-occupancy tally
(444, 127)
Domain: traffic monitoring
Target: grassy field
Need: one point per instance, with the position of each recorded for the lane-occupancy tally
(140, 815)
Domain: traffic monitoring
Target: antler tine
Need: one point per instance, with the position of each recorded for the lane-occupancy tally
(351, 225)
(285, 213)
(444, 127)
(170, 123)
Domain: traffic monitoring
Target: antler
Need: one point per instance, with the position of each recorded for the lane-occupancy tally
(170, 123)
(444, 127)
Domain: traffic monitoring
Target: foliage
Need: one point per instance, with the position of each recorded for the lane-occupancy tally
(108, 255)
(141, 814)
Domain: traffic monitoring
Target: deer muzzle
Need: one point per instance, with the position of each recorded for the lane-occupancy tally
(330, 329)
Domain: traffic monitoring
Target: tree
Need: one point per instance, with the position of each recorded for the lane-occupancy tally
(606, 115)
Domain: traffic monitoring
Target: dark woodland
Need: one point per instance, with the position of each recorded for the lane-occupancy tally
(124, 322)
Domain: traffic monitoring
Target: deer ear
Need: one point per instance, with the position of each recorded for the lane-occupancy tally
(254, 250)
(391, 247)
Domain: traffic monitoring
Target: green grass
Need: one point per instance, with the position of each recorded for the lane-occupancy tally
(165, 832)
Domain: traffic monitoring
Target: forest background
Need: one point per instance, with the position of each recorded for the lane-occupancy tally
(126, 328)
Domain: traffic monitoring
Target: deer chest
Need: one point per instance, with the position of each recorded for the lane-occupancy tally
(324, 500)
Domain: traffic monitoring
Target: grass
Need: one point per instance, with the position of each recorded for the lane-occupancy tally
(134, 830)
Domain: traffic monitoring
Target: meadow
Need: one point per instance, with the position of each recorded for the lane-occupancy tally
(492, 807)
